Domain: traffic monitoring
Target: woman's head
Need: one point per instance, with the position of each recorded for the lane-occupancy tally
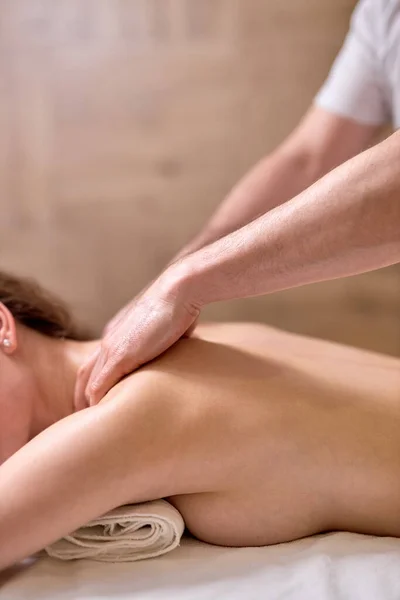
(33, 307)
(31, 323)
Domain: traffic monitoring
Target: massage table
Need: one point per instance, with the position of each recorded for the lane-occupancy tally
(334, 566)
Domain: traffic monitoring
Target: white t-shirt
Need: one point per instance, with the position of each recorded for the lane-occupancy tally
(364, 82)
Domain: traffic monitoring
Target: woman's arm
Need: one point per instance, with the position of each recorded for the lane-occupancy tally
(80, 468)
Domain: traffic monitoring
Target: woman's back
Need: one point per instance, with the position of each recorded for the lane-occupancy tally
(272, 429)
(256, 436)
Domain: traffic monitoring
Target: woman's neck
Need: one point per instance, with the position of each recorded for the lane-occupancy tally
(54, 365)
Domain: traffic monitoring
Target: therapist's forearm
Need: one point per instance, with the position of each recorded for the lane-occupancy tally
(346, 223)
(274, 180)
(320, 142)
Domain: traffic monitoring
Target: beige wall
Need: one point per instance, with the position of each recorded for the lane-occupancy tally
(123, 124)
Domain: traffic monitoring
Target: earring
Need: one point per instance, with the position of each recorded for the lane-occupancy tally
(6, 343)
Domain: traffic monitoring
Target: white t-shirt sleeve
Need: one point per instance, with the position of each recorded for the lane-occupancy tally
(356, 87)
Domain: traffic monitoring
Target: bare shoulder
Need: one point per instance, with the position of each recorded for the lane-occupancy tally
(244, 335)
(270, 341)
(355, 368)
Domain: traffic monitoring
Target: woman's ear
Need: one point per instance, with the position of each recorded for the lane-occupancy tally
(8, 331)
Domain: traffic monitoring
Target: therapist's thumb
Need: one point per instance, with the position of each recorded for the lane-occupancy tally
(84, 373)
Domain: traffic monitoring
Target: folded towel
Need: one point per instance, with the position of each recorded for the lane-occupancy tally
(128, 533)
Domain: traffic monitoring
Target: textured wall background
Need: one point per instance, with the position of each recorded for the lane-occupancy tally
(123, 124)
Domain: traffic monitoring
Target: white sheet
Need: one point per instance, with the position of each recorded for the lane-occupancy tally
(337, 566)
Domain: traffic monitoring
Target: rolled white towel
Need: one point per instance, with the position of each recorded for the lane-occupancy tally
(126, 534)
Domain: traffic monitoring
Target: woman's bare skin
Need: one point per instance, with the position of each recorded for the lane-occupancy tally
(284, 436)
(255, 435)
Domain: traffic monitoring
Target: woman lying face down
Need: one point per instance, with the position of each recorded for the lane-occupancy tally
(256, 436)
(41, 352)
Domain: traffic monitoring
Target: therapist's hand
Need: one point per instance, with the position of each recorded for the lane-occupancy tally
(148, 326)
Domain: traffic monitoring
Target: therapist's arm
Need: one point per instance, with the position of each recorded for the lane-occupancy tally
(321, 141)
(346, 223)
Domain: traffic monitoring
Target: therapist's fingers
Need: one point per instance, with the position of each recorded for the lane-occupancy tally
(112, 364)
(153, 322)
(80, 399)
(137, 340)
